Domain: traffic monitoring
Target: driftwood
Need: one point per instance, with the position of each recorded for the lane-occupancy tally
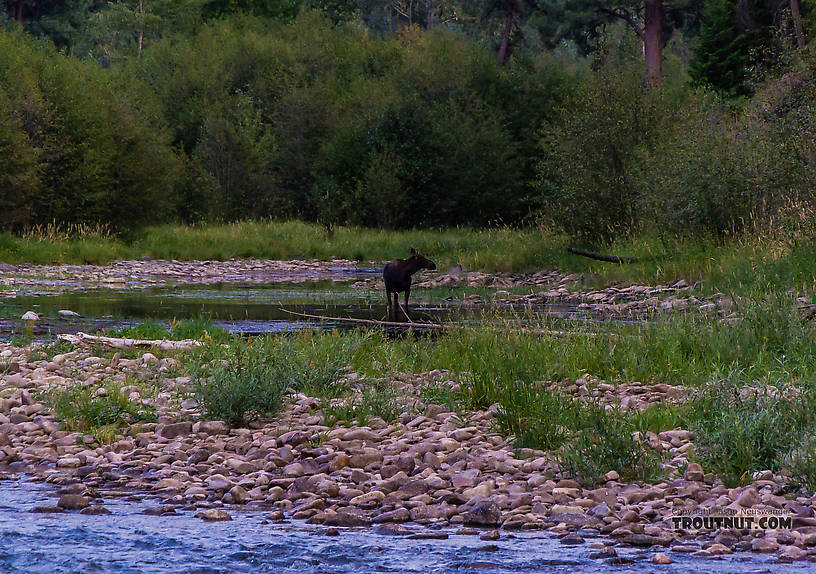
(601, 256)
(438, 327)
(162, 344)
(432, 326)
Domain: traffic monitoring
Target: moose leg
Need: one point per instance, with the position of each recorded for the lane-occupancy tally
(394, 306)
(405, 309)
(388, 304)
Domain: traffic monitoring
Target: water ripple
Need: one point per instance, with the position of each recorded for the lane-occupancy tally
(128, 541)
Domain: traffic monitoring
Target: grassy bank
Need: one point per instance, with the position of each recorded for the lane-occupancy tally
(751, 392)
(755, 264)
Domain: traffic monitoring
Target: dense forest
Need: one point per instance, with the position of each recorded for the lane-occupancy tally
(599, 118)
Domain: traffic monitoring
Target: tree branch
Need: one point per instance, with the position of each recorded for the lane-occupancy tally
(628, 17)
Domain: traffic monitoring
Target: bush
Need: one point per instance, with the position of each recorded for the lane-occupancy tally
(607, 442)
(243, 380)
(85, 410)
(80, 149)
(585, 177)
(741, 431)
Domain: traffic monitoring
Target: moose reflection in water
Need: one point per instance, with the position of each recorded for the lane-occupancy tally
(397, 275)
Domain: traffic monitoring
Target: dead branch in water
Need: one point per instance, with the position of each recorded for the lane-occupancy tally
(162, 344)
(601, 256)
(434, 326)
(439, 327)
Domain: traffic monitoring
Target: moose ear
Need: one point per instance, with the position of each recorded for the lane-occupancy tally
(413, 251)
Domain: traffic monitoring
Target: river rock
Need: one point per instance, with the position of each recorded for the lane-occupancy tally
(364, 459)
(483, 514)
(95, 510)
(47, 509)
(372, 497)
(174, 430)
(211, 427)
(239, 494)
(350, 517)
(694, 472)
(748, 498)
(73, 502)
(398, 515)
(430, 512)
(465, 479)
(766, 545)
(213, 515)
(661, 558)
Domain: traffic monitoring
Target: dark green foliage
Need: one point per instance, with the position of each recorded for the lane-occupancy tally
(79, 152)
(618, 160)
(739, 42)
(743, 430)
(318, 122)
(221, 111)
(607, 442)
(242, 381)
(588, 155)
(84, 410)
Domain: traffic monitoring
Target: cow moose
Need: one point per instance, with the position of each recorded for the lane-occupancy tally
(397, 276)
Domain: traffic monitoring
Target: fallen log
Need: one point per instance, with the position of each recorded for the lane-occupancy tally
(123, 343)
(437, 326)
(601, 256)
(432, 326)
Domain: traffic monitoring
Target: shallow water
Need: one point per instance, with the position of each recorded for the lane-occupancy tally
(245, 308)
(127, 540)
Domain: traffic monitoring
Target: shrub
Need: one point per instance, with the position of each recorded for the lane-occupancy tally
(243, 380)
(585, 175)
(607, 442)
(85, 410)
(741, 431)
(80, 149)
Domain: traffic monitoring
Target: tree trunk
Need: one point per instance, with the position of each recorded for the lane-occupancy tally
(19, 15)
(429, 15)
(653, 42)
(508, 27)
(141, 26)
(797, 23)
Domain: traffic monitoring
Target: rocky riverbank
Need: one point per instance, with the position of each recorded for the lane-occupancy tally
(157, 273)
(432, 467)
(546, 287)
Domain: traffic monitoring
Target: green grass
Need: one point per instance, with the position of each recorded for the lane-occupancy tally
(376, 400)
(742, 430)
(248, 379)
(176, 330)
(769, 346)
(748, 264)
(83, 410)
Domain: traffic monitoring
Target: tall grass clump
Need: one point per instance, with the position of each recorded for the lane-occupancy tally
(87, 410)
(175, 330)
(244, 380)
(607, 441)
(374, 400)
(588, 440)
(741, 430)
